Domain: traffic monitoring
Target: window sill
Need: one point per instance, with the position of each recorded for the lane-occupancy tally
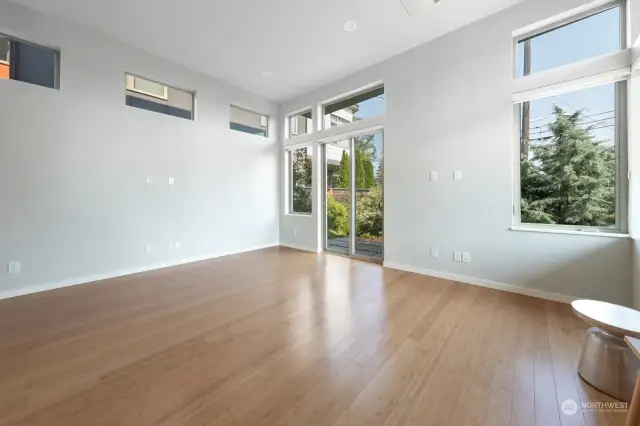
(570, 232)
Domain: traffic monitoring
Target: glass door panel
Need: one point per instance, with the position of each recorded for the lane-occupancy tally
(368, 158)
(337, 177)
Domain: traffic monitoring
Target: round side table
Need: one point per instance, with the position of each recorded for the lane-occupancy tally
(607, 363)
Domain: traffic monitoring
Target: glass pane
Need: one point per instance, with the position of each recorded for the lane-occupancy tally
(568, 158)
(338, 205)
(150, 87)
(247, 121)
(365, 105)
(5, 48)
(301, 175)
(300, 124)
(369, 201)
(178, 103)
(590, 37)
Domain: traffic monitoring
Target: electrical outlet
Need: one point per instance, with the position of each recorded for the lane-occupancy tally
(434, 176)
(148, 248)
(177, 245)
(172, 245)
(295, 232)
(457, 175)
(466, 258)
(172, 180)
(435, 253)
(149, 179)
(457, 256)
(13, 268)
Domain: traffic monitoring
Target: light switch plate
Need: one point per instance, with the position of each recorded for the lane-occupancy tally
(435, 253)
(149, 179)
(178, 245)
(457, 256)
(457, 175)
(13, 268)
(148, 248)
(434, 176)
(172, 180)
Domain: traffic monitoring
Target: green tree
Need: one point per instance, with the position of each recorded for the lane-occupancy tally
(302, 173)
(369, 178)
(360, 172)
(569, 180)
(343, 171)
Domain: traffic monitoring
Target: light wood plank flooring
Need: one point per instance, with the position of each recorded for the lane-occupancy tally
(283, 337)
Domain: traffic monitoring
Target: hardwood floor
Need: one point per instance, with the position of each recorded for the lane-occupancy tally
(283, 337)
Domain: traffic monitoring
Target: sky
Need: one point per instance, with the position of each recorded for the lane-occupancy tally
(591, 37)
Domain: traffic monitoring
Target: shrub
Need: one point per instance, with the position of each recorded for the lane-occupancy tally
(337, 218)
(369, 213)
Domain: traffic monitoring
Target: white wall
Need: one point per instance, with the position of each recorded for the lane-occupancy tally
(74, 162)
(449, 107)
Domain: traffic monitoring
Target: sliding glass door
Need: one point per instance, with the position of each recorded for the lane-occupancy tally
(353, 187)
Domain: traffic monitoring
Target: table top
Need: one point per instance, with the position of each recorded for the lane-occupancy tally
(634, 344)
(614, 319)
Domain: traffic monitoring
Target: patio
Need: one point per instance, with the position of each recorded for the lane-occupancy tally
(364, 247)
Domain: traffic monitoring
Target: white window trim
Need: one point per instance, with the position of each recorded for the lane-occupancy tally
(131, 86)
(582, 75)
(622, 176)
(288, 151)
(289, 117)
(322, 106)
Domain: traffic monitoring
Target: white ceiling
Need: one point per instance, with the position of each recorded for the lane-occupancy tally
(301, 42)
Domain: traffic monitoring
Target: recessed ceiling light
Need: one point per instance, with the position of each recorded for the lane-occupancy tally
(350, 26)
(267, 74)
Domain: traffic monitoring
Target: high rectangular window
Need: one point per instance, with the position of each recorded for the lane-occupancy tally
(29, 63)
(157, 97)
(573, 170)
(300, 177)
(300, 124)
(594, 34)
(247, 121)
(363, 105)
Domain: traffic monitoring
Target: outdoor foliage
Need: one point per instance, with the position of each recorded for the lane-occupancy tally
(338, 218)
(369, 213)
(569, 180)
(301, 175)
(343, 172)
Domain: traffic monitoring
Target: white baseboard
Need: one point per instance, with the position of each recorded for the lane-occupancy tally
(540, 294)
(299, 247)
(114, 274)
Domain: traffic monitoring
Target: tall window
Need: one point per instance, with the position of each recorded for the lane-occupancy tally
(363, 105)
(300, 172)
(29, 63)
(573, 158)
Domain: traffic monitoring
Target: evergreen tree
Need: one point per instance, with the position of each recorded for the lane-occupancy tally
(360, 173)
(369, 179)
(569, 180)
(343, 171)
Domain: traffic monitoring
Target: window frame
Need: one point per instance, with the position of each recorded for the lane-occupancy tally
(569, 20)
(345, 97)
(289, 161)
(131, 86)
(57, 53)
(621, 162)
(263, 117)
(291, 116)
